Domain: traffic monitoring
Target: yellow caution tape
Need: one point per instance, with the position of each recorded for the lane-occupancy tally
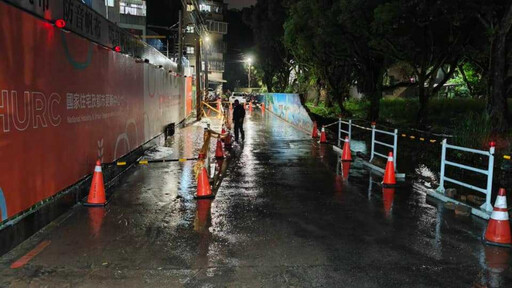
(506, 157)
(143, 162)
(121, 163)
(412, 137)
(182, 160)
(422, 139)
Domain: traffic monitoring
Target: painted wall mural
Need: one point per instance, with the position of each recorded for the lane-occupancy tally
(289, 108)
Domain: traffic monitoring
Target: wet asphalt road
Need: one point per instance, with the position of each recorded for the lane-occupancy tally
(282, 218)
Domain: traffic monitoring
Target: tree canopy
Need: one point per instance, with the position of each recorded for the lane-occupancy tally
(338, 44)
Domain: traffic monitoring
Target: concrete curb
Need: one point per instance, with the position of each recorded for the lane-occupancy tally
(477, 212)
(369, 165)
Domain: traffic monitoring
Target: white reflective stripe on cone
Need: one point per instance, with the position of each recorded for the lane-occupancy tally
(390, 158)
(97, 169)
(501, 202)
(499, 215)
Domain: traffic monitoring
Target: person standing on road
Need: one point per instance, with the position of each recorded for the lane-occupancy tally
(238, 120)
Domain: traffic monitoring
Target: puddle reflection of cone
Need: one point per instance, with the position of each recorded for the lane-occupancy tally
(338, 184)
(96, 215)
(389, 174)
(262, 107)
(204, 190)
(388, 195)
(202, 219)
(227, 141)
(497, 261)
(323, 137)
(314, 134)
(314, 150)
(219, 151)
(346, 155)
(322, 152)
(97, 191)
(250, 106)
(219, 165)
(345, 168)
(498, 229)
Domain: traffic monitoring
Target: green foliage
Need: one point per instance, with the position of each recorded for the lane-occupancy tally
(473, 130)
(322, 110)
(470, 83)
(357, 108)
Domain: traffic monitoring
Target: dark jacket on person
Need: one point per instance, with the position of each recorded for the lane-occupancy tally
(238, 113)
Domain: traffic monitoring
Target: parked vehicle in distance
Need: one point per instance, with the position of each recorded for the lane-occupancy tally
(240, 96)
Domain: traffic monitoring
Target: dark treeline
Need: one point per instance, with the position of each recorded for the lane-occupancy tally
(333, 45)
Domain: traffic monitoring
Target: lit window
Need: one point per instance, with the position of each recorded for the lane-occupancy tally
(190, 7)
(189, 29)
(190, 50)
(109, 3)
(205, 8)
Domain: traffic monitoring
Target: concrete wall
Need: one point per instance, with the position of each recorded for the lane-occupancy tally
(66, 101)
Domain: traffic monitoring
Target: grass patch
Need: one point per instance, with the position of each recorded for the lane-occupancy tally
(465, 118)
(322, 110)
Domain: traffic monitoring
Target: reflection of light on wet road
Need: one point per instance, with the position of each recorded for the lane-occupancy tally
(187, 177)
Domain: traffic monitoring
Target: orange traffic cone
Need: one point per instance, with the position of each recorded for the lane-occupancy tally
(323, 138)
(346, 155)
(219, 152)
(389, 174)
(498, 229)
(250, 106)
(315, 130)
(204, 190)
(223, 131)
(97, 191)
(262, 107)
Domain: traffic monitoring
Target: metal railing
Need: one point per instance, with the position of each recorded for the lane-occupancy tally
(348, 131)
(489, 172)
(393, 146)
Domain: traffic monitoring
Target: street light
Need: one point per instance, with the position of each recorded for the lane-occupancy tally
(249, 62)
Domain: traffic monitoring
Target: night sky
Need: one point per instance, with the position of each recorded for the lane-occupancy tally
(240, 3)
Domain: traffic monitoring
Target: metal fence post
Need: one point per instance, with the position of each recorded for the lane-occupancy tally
(440, 189)
(339, 132)
(395, 147)
(487, 206)
(373, 142)
(349, 130)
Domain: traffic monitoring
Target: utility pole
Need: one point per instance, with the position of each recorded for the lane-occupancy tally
(197, 51)
(180, 43)
(206, 50)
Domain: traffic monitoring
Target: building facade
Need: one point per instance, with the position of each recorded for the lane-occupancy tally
(213, 44)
